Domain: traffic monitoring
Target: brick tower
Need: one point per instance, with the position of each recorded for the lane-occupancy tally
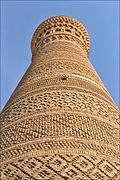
(60, 122)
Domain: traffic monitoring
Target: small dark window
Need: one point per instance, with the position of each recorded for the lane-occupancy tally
(64, 78)
(20, 160)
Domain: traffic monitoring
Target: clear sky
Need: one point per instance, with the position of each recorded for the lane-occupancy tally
(21, 18)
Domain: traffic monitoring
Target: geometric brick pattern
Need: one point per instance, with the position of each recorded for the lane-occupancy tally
(57, 100)
(60, 122)
(61, 166)
(59, 125)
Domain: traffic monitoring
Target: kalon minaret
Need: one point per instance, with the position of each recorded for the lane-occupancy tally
(60, 122)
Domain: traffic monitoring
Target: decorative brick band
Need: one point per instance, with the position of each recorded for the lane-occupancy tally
(61, 25)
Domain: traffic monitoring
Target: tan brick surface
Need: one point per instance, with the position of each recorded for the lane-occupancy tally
(60, 122)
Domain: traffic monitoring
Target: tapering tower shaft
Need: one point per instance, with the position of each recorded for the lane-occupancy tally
(60, 122)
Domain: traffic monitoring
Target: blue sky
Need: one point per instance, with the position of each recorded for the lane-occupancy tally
(20, 19)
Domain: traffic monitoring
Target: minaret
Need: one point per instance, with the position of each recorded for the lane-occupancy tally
(60, 122)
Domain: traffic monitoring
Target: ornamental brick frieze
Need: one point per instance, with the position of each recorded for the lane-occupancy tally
(63, 125)
(74, 84)
(61, 50)
(61, 37)
(52, 101)
(62, 166)
(76, 29)
(46, 70)
(60, 123)
(53, 145)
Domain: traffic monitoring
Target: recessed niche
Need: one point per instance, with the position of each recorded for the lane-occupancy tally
(68, 30)
(48, 32)
(77, 34)
(58, 30)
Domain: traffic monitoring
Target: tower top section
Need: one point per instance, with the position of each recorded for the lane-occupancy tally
(60, 28)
